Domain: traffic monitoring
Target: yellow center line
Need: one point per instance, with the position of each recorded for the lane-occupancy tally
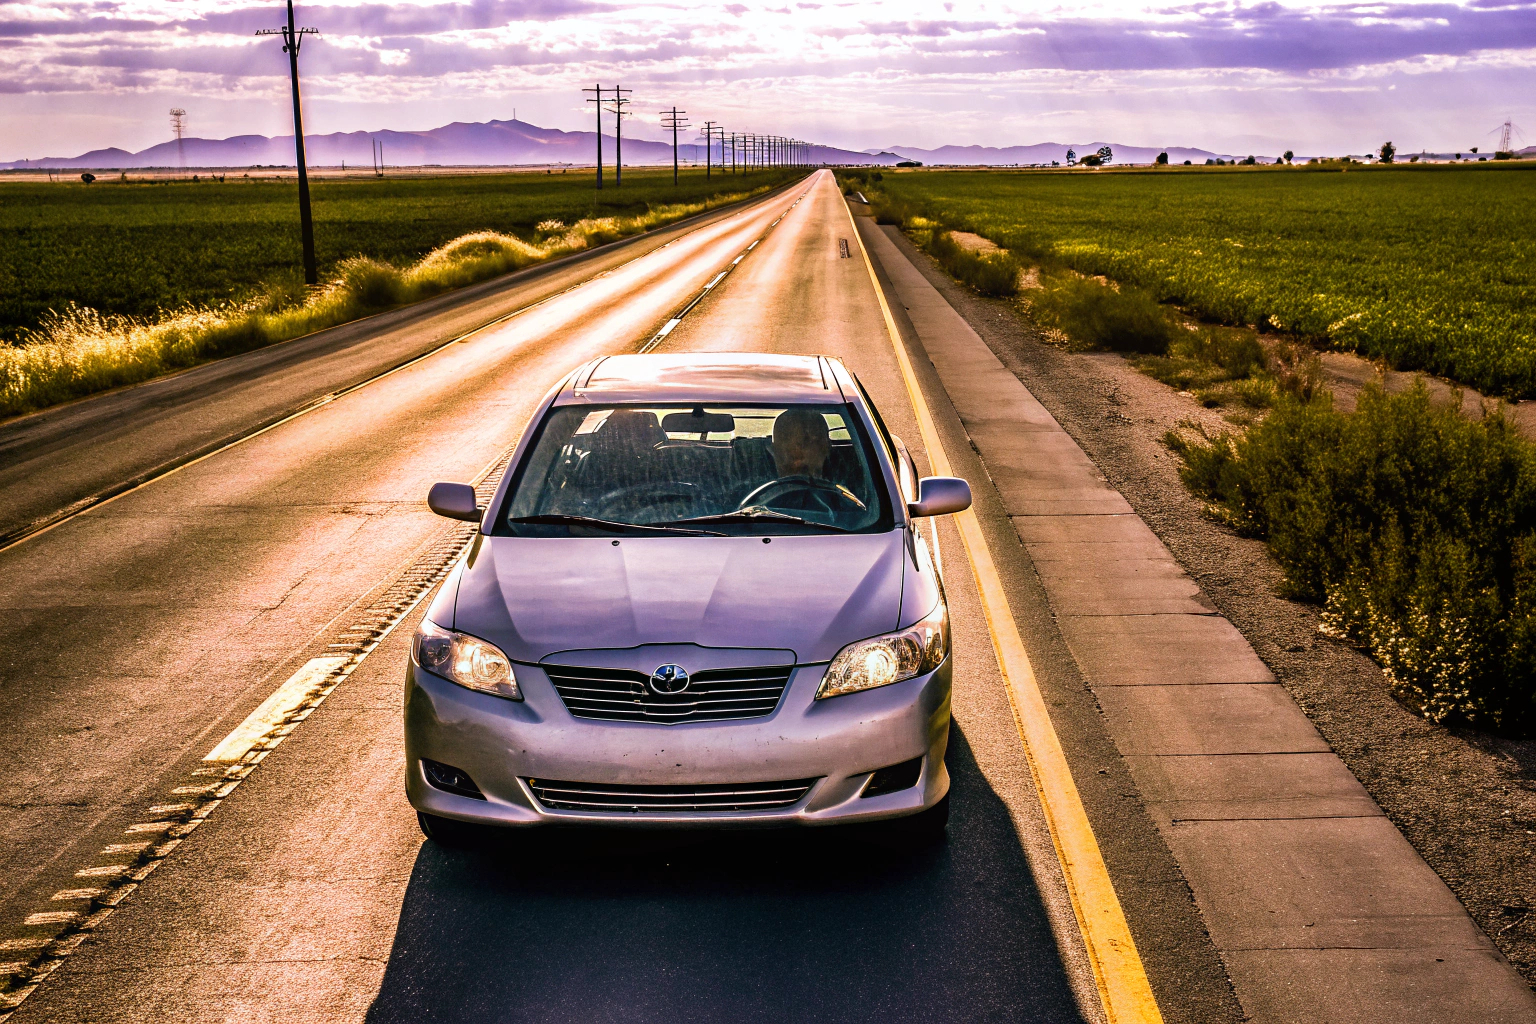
(1117, 969)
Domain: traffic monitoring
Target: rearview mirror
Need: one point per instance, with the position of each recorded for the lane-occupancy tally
(454, 501)
(940, 496)
(698, 422)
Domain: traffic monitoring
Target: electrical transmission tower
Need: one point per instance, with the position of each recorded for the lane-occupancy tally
(619, 114)
(1507, 132)
(179, 125)
(292, 39)
(676, 120)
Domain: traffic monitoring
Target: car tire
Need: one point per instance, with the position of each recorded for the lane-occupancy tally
(446, 832)
(925, 828)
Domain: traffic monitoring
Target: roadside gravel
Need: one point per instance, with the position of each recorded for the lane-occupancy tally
(1467, 802)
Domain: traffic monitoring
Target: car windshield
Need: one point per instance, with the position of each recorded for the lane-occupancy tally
(650, 470)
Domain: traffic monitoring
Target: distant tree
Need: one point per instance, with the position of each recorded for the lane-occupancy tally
(1105, 154)
(1071, 158)
(1386, 153)
(1162, 158)
(1473, 151)
(1289, 156)
(1091, 160)
(1211, 162)
(87, 177)
(1188, 162)
(1249, 162)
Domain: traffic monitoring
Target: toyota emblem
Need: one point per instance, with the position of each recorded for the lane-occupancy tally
(669, 679)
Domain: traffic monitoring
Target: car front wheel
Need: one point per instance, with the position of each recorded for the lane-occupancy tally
(925, 828)
(449, 833)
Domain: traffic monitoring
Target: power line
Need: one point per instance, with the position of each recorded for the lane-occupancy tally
(619, 114)
(709, 145)
(292, 40)
(674, 119)
(599, 101)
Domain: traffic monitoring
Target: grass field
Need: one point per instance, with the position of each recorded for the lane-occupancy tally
(111, 284)
(140, 248)
(1428, 267)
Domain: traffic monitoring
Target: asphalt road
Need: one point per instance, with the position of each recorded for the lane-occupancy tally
(135, 636)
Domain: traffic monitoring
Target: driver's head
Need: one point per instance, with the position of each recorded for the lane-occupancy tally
(801, 443)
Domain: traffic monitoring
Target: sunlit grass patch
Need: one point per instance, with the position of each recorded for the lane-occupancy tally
(78, 351)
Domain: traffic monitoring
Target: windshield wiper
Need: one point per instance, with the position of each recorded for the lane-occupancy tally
(554, 519)
(756, 513)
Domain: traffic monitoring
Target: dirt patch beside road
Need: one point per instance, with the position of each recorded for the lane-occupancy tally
(1466, 802)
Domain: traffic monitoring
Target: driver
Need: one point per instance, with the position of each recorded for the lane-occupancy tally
(801, 443)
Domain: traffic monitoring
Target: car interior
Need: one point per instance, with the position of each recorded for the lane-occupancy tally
(654, 465)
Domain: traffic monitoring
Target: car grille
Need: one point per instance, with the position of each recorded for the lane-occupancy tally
(598, 796)
(618, 695)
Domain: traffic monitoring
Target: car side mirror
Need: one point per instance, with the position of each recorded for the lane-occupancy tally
(455, 501)
(940, 496)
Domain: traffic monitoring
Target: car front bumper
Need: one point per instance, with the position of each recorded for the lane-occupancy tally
(838, 742)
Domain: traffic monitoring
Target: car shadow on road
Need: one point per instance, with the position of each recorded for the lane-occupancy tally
(805, 925)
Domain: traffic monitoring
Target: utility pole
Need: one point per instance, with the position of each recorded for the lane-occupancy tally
(709, 145)
(674, 119)
(292, 39)
(619, 115)
(599, 102)
(179, 125)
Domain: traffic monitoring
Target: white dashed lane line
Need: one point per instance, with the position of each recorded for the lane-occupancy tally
(667, 328)
(126, 864)
(59, 932)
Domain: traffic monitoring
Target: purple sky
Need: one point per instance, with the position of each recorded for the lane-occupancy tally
(1239, 77)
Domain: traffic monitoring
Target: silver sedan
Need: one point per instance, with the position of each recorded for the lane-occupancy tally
(698, 598)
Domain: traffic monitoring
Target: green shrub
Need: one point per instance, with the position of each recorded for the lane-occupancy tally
(888, 210)
(1098, 316)
(995, 274)
(1414, 527)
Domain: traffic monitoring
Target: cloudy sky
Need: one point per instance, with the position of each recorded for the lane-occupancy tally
(1232, 76)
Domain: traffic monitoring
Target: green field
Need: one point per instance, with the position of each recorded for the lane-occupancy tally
(1431, 268)
(141, 247)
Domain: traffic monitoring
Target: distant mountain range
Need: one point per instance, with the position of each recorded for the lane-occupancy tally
(1044, 153)
(513, 143)
(490, 143)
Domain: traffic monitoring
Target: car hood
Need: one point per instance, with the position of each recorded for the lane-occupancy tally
(534, 597)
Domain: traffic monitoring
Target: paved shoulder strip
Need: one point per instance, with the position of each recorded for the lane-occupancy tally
(1318, 906)
(1118, 972)
(116, 872)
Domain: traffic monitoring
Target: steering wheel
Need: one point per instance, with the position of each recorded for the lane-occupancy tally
(652, 492)
(826, 495)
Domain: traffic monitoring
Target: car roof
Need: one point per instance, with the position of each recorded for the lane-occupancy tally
(747, 377)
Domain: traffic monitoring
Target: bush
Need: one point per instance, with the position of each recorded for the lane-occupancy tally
(1097, 316)
(1414, 527)
(995, 274)
(888, 210)
(1201, 359)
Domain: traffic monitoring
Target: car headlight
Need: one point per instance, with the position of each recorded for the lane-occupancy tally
(883, 660)
(463, 659)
